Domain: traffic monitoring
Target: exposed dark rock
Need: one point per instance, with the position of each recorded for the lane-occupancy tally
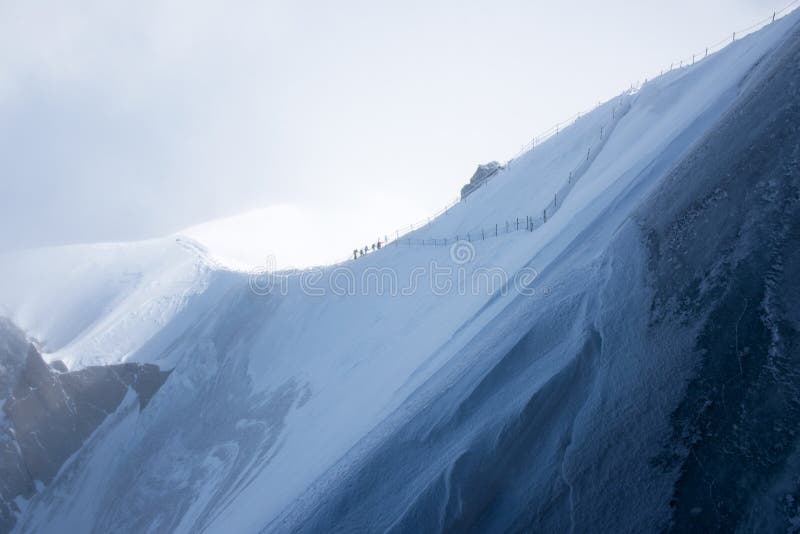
(730, 253)
(13, 347)
(48, 412)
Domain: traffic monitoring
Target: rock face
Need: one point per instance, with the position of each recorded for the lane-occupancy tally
(13, 348)
(14, 477)
(483, 173)
(47, 414)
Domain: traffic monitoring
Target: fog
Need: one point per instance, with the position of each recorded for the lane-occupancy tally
(128, 121)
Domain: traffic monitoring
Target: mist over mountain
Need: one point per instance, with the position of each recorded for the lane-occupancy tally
(601, 335)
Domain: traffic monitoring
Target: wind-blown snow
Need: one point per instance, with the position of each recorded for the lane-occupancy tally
(98, 304)
(276, 398)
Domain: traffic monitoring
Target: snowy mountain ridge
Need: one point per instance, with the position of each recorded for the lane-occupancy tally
(310, 408)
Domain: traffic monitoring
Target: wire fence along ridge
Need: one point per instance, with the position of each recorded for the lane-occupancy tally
(531, 222)
(700, 55)
(538, 140)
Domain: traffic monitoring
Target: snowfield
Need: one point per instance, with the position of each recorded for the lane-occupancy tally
(372, 395)
(100, 303)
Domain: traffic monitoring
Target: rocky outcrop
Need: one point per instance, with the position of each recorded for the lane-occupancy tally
(13, 346)
(483, 173)
(49, 412)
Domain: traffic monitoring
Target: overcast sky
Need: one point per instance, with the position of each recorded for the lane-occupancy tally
(130, 120)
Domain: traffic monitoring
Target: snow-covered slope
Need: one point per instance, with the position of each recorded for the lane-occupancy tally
(332, 402)
(100, 303)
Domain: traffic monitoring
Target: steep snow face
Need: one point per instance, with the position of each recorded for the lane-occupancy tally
(655, 389)
(99, 304)
(622, 140)
(318, 404)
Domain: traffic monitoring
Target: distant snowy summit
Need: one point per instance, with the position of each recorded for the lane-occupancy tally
(483, 173)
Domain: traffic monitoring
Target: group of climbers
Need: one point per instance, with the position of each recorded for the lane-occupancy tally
(361, 251)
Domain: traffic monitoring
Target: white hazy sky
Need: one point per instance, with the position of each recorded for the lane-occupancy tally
(127, 120)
